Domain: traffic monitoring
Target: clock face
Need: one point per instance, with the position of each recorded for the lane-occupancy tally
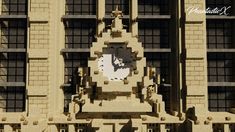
(116, 62)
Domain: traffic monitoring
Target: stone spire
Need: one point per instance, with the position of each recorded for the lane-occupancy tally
(117, 25)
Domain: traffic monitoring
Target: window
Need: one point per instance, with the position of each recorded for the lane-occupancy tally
(72, 62)
(219, 4)
(12, 99)
(79, 34)
(83, 128)
(220, 57)
(154, 34)
(63, 128)
(221, 98)
(1, 128)
(12, 67)
(152, 127)
(80, 7)
(14, 7)
(219, 34)
(13, 57)
(220, 67)
(153, 7)
(161, 62)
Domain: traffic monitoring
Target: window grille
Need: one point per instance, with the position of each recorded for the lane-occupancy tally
(12, 99)
(13, 57)
(161, 62)
(72, 62)
(153, 7)
(219, 4)
(80, 7)
(220, 67)
(221, 98)
(154, 34)
(14, 7)
(79, 34)
(219, 34)
(12, 67)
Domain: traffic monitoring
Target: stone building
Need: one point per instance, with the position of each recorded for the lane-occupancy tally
(152, 66)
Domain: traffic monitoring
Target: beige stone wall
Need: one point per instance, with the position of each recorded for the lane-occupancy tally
(40, 105)
(194, 36)
(38, 63)
(38, 72)
(39, 35)
(39, 5)
(195, 61)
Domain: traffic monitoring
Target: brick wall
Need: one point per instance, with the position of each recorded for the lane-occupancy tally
(38, 72)
(195, 46)
(39, 33)
(39, 5)
(38, 68)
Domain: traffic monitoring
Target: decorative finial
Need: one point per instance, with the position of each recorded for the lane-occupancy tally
(117, 12)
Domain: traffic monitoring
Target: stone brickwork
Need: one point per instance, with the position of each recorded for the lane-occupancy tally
(39, 5)
(38, 105)
(38, 72)
(196, 65)
(38, 63)
(195, 47)
(194, 36)
(39, 36)
(195, 72)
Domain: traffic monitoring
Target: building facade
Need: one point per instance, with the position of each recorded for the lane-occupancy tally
(178, 61)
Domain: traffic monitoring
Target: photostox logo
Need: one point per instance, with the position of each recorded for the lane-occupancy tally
(212, 11)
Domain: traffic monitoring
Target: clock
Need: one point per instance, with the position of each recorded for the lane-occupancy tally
(116, 62)
(117, 59)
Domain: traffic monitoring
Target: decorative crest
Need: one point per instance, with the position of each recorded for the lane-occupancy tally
(117, 12)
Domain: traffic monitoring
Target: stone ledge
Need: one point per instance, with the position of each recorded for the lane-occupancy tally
(38, 53)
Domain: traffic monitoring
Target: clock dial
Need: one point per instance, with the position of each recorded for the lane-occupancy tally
(116, 63)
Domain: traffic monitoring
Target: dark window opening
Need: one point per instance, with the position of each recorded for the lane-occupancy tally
(212, 4)
(219, 34)
(220, 67)
(221, 98)
(79, 34)
(14, 7)
(13, 34)
(80, 7)
(12, 67)
(153, 127)
(63, 128)
(161, 62)
(154, 34)
(12, 99)
(153, 7)
(72, 62)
